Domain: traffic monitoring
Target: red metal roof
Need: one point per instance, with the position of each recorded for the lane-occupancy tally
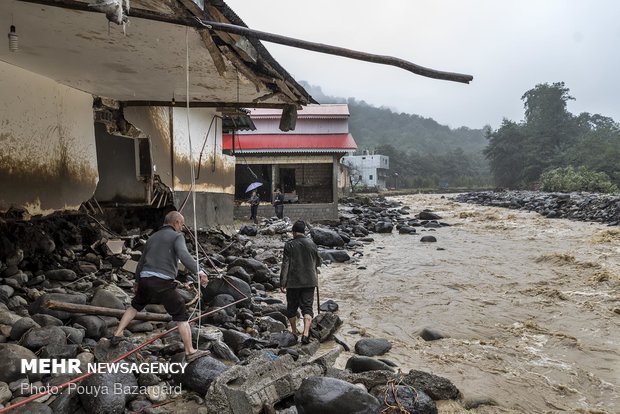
(290, 142)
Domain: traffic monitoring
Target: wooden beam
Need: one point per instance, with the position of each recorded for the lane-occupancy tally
(214, 51)
(101, 311)
(182, 104)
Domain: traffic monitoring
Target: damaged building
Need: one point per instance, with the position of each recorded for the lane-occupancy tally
(103, 115)
(304, 163)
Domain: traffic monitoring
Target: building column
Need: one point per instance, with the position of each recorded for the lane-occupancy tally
(335, 173)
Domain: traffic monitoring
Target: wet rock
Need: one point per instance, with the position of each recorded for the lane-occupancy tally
(5, 392)
(223, 352)
(10, 363)
(141, 327)
(362, 363)
(372, 346)
(65, 403)
(6, 292)
(333, 396)
(8, 318)
(240, 273)
(36, 338)
(110, 402)
(339, 256)
(38, 305)
(95, 327)
(62, 275)
(107, 299)
(407, 230)
(428, 239)
(46, 320)
(429, 334)
(409, 399)
(269, 324)
(74, 335)
(59, 351)
(282, 339)
(326, 237)
(21, 327)
(278, 316)
(438, 388)
(221, 286)
(33, 408)
(201, 373)
(383, 227)
(428, 215)
(248, 230)
(324, 325)
(259, 271)
(238, 340)
(329, 306)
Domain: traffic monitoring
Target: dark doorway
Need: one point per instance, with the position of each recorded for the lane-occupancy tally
(287, 180)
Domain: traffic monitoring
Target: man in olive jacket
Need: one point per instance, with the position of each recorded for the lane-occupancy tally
(298, 278)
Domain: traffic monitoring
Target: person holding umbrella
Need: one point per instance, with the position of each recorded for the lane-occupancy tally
(278, 203)
(254, 202)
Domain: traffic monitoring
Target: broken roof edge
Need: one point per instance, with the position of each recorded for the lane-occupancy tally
(261, 49)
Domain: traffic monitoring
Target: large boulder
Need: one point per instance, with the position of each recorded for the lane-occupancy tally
(228, 285)
(324, 325)
(412, 400)
(107, 299)
(326, 237)
(428, 215)
(438, 388)
(258, 270)
(383, 227)
(372, 346)
(118, 392)
(333, 396)
(38, 305)
(11, 362)
(362, 364)
(21, 327)
(37, 338)
(199, 374)
(339, 256)
(95, 327)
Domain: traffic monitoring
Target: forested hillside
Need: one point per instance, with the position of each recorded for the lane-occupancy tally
(422, 152)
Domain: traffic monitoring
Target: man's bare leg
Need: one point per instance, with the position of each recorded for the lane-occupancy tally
(186, 337)
(307, 324)
(293, 322)
(128, 316)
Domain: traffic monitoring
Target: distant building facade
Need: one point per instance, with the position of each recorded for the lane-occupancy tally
(367, 170)
(303, 163)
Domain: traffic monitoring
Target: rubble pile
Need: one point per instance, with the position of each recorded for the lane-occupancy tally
(601, 208)
(254, 365)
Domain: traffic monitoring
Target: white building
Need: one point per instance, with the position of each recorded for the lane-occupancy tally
(368, 170)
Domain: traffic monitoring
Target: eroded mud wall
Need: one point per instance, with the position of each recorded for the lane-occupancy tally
(170, 150)
(48, 160)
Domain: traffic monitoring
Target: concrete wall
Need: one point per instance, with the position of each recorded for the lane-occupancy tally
(307, 212)
(48, 160)
(168, 132)
(370, 167)
(118, 180)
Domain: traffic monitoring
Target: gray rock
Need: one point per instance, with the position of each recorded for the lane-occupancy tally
(329, 306)
(74, 335)
(269, 324)
(21, 326)
(8, 318)
(37, 338)
(59, 351)
(65, 403)
(107, 299)
(259, 271)
(10, 363)
(372, 346)
(110, 402)
(33, 408)
(339, 256)
(62, 275)
(427, 215)
(326, 237)
(362, 364)
(5, 392)
(95, 327)
(240, 273)
(14, 258)
(46, 320)
(324, 325)
(333, 396)
(412, 400)
(438, 388)
(37, 305)
(429, 334)
(383, 227)
(248, 230)
(282, 339)
(199, 374)
(428, 239)
(221, 286)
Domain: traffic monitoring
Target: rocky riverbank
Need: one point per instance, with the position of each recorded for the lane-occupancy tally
(600, 208)
(255, 363)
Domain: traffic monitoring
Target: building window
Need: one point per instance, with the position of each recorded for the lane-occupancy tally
(370, 177)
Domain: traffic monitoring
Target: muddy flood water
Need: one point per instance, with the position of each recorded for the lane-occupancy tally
(531, 306)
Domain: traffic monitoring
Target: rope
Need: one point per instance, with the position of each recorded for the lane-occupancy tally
(56, 389)
(191, 166)
(397, 407)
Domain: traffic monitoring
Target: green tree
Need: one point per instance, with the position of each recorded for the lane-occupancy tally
(506, 155)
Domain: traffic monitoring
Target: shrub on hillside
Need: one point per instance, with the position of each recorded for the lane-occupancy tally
(580, 179)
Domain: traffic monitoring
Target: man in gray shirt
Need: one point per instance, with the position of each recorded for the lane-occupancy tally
(155, 279)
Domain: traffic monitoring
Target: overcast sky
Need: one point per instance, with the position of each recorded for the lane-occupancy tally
(508, 46)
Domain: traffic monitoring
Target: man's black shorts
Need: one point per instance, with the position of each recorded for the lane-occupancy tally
(163, 292)
(301, 298)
